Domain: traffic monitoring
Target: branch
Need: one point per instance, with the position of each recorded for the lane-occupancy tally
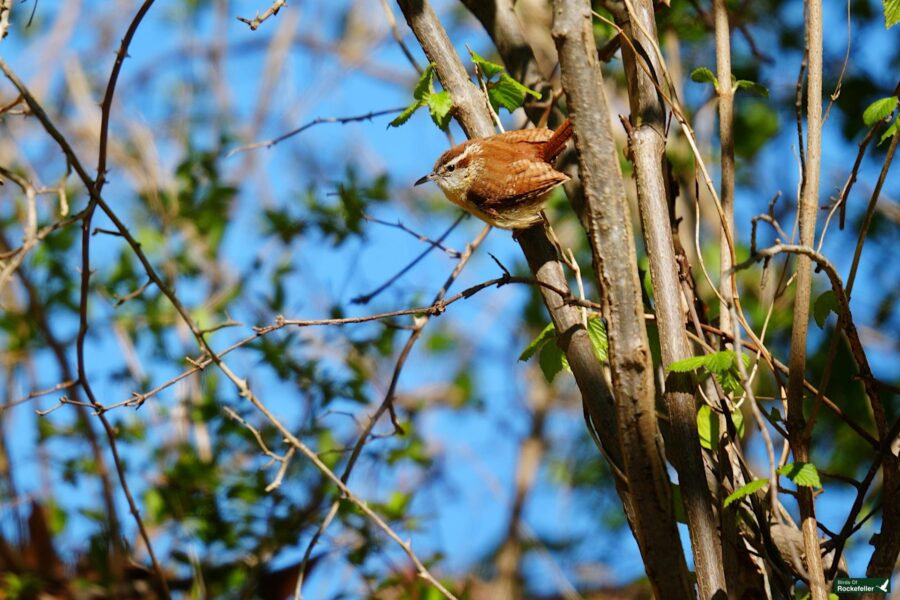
(615, 263)
(255, 22)
(317, 121)
(646, 136)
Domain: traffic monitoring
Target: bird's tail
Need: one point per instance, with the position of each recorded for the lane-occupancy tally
(557, 142)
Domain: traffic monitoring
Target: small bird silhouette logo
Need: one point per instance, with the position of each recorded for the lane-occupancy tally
(884, 587)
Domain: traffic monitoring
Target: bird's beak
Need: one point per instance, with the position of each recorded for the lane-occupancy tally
(422, 180)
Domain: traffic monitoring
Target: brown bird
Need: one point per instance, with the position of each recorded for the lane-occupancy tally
(503, 179)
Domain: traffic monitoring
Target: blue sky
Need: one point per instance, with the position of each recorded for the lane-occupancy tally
(479, 445)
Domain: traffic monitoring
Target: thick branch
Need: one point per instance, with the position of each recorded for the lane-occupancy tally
(647, 141)
(615, 262)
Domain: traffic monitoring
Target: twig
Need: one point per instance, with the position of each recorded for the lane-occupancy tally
(255, 22)
(296, 443)
(387, 403)
(837, 86)
(317, 121)
(366, 298)
(37, 394)
(398, 225)
(395, 31)
(96, 191)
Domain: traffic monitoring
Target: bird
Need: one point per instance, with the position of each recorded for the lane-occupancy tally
(503, 179)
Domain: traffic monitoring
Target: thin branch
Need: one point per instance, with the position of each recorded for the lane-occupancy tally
(96, 191)
(725, 91)
(398, 225)
(317, 121)
(65, 385)
(387, 402)
(366, 298)
(255, 22)
(395, 31)
(295, 442)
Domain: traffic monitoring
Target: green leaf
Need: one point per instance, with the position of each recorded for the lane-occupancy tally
(879, 110)
(752, 87)
(719, 362)
(406, 114)
(825, 304)
(422, 94)
(552, 361)
(487, 68)
(425, 85)
(804, 474)
(890, 131)
(686, 365)
(708, 427)
(439, 105)
(746, 490)
(547, 334)
(891, 13)
(508, 93)
(599, 341)
(704, 75)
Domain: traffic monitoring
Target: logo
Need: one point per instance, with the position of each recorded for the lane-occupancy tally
(861, 585)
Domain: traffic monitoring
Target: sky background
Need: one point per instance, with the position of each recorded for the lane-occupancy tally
(466, 516)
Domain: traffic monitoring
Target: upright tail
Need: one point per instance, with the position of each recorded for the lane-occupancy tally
(557, 141)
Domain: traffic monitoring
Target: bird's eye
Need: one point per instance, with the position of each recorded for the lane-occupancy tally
(451, 168)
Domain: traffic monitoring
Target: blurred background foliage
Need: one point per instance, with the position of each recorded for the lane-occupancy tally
(310, 229)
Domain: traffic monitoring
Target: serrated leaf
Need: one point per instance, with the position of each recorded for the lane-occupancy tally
(547, 334)
(730, 383)
(704, 75)
(752, 87)
(825, 304)
(804, 474)
(551, 360)
(406, 114)
(746, 490)
(508, 93)
(891, 13)
(719, 362)
(487, 68)
(879, 110)
(599, 341)
(890, 131)
(439, 105)
(686, 365)
(425, 85)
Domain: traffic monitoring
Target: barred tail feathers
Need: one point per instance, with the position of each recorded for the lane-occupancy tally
(557, 141)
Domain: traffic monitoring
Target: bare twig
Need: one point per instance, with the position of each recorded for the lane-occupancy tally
(398, 225)
(295, 442)
(395, 31)
(256, 21)
(96, 191)
(317, 121)
(37, 394)
(387, 402)
(366, 298)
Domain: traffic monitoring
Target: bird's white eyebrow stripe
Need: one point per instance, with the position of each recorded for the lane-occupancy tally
(461, 156)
